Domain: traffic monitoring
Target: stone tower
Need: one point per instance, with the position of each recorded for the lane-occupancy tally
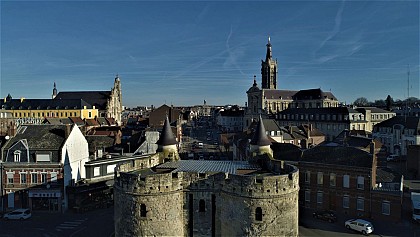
(54, 94)
(260, 144)
(269, 70)
(114, 105)
(167, 144)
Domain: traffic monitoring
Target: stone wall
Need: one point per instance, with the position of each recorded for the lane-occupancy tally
(198, 204)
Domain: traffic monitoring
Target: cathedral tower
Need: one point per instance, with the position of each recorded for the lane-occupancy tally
(269, 70)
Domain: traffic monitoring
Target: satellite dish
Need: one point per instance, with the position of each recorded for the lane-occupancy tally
(7, 137)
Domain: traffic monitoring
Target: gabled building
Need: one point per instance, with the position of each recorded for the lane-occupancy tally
(398, 133)
(39, 163)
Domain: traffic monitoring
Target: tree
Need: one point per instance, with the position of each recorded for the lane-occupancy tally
(380, 103)
(361, 101)
(389, 102)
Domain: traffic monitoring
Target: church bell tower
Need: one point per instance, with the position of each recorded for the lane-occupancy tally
(269, 70)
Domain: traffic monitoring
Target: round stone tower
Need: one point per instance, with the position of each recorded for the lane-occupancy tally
(148, 203)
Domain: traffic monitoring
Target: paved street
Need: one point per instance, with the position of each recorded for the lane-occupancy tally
(95, 223)
(313, 227)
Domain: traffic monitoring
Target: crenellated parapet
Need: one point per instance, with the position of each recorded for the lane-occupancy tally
(263, 185)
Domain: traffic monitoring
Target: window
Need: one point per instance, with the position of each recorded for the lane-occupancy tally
(346, 201)
(110, 168)
(90, 114)
(346, 181)
(34, 178)
(143, 210)
(23, 178)
(307, 195)
(16, 156)
(320, 178)
(10, 178)
(360, 204)
(360, 182)
(332, 179)
(307, 176)
(386, 208)
(319, 197)
(258, 214)
(44, 178)
(42, 157)
(96, 171)
(202, 206)
(53, 176)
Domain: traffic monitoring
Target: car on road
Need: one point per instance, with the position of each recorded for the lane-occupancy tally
(18, 214)
(393, 158)
(363, 226)
(325, 215)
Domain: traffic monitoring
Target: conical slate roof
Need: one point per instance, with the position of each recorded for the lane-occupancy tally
(260, 138)
(166, 137)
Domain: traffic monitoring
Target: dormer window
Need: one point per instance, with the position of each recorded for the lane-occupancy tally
(16, 156)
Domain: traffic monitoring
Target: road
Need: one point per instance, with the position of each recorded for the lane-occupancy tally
(94, 223)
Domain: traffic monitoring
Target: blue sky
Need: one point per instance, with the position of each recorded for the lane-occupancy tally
(182, 53)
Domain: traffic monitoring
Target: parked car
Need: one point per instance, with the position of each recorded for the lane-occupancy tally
(393, 158)
(325, 215)
(18, 214)
(363, 226)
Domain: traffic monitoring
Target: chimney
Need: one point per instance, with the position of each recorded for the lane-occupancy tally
(22, 99)
(67, 130)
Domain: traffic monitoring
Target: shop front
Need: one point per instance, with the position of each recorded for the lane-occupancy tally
(45, 200)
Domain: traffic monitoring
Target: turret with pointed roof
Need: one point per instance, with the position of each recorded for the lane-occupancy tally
(167, 143)
(167, 137)
(260, 144)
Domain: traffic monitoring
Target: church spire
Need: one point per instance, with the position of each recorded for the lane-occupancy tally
(54, 94)
(268, 56)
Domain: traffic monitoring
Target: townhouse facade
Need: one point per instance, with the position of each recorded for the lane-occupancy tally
(39, 163)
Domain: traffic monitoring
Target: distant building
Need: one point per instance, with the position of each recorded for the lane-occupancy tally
(230, 119)
(108, 103)
(330, 121)
(374, 116)
(269, 100)
(398, 133)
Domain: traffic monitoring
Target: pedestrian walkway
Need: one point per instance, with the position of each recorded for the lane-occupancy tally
(68, 225)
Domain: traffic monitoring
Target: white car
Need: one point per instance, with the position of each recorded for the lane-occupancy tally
(392, 158)
(359, 225)
(18, 214)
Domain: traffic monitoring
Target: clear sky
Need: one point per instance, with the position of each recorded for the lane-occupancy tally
(182, 53)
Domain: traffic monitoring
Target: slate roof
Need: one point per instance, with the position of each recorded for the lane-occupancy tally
(42, 104)
(57, 121)
(99, 142)
(329, 110)
(279, 94)
(372, 110)
(313, 94)
(408, 122)
(98, 99)
(40, 137)
(260, 137)
(203, 166)
(166, 136)
(346, 156)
